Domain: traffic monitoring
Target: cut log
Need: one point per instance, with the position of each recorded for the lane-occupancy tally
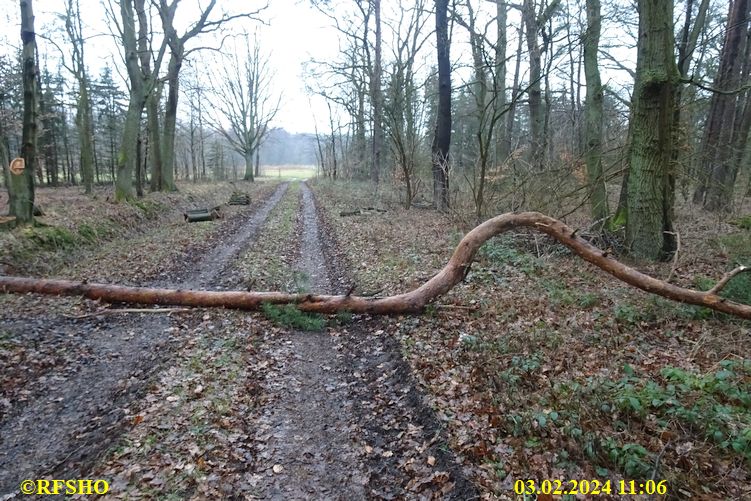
(196, 215)
(361, 212)
(410, 302)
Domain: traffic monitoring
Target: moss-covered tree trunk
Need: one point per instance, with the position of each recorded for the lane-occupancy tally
(127, 156)
(651, 181)
(377, 98)
(21, 187)
(594, 114)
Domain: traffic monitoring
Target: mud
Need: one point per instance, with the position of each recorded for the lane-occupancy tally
(342, 418)
(64, 420)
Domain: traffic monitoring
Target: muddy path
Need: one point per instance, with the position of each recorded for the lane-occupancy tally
(342, 417)
(67, 418)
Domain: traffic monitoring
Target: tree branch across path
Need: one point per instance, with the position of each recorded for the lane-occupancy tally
(410, 302)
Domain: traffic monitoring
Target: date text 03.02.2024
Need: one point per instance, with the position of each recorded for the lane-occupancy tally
(590, 487)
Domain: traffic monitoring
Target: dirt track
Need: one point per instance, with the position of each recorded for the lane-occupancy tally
(337, 414)
(73, 413)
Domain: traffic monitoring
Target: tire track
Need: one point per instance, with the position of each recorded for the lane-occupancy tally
(69, 424)
(304, 434)
(342, 416)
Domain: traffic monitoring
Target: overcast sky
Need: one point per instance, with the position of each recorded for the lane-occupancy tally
(292, 34)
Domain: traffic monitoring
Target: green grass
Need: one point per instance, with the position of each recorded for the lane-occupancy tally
(289, 316)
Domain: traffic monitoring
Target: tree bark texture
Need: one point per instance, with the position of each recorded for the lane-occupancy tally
(411, 302)
(442, 137)
(21, 187)
(649, 228)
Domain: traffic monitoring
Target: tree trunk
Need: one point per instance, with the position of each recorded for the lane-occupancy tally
(248, 156)
(126, 157)
(529, 14)
(258, 162)
(594, 114)
(83, 121)
(377, 97)
(442, 137)
(502, 144)
(411, 302)
(170, 122)
(717, 175)
(21, 187)
(511, 115)
(649, 224)
(155, 139)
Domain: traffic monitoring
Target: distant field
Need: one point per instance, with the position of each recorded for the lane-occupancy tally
(288, 171)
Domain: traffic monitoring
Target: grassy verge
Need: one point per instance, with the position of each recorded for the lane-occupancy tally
(78, 227)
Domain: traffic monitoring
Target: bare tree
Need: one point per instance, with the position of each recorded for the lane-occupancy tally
(178, 53)
(245, 99)
(77, 67)
(404, 97)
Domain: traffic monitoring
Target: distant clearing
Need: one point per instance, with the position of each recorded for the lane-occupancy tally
(288, 171)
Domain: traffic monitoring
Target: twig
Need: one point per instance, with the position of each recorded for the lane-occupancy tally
(727, 278)
(129, 310)
(657, 461)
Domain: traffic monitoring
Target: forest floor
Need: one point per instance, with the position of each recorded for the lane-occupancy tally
(536, 367)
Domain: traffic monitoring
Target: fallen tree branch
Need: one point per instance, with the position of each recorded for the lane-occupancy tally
(727, 278)
(409, 302)
(111, 311)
